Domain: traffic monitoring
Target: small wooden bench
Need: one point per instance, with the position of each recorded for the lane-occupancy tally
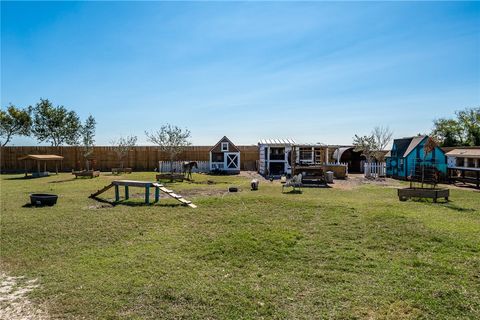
(121, 170)
(170, 176)
(91, 174)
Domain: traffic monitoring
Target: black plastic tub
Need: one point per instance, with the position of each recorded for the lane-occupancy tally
(43, 199)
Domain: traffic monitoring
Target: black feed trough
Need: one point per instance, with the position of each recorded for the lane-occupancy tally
(43, 199)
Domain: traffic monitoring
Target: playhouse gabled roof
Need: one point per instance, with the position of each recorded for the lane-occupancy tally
(413, 144)
(223, 140)
(406, 145)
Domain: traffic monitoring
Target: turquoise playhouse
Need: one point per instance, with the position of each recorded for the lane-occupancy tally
(409, 153)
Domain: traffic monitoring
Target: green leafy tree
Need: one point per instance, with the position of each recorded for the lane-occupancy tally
(448, 132)
(373, 146)
(469, 119)
(14, 121)
(462, 131)
(122, 146)
(171, 139)
(366, 145)
(56, 125)
(88, 134)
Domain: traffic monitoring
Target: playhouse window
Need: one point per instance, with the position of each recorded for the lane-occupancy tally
(224, 146)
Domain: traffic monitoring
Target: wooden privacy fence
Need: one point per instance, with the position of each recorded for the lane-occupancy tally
(140, 158)
(374, 170)
(165, 166)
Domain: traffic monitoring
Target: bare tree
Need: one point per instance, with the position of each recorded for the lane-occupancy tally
(383, 137)
(122, 146)
(87, 132)
(171, 139)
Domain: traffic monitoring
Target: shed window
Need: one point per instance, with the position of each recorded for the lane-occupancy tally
(224, 146)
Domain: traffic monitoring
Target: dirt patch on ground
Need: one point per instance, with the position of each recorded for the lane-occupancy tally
(99, 206)
(252, 175)
(195, 193)
(356, 180)
(207, 182)
(14, 303)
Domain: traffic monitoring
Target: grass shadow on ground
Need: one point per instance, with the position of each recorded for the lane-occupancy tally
(137, 203)
(62, 181)
(295, 191)
(29, 205)
(22, 178)
(443, 203)
(143, 204)
(430, 201)
(455, 207)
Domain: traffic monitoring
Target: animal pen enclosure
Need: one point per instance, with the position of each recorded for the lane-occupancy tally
(140, 158)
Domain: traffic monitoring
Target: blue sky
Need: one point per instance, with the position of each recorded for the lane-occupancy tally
(317, 72)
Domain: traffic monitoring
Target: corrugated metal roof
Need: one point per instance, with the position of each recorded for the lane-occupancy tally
(310, 144)
(287, 141)
(337, 154)
(473, 153)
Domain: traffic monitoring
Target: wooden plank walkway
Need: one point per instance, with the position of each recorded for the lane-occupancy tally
(174, 195)
(145, 184)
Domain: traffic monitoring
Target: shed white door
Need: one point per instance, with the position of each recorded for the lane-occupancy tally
(262, 161)
(232, 161)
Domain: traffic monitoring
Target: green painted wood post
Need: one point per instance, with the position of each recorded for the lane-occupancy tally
(147, 194)
(157, 194)
(117, 194)
(126, 193)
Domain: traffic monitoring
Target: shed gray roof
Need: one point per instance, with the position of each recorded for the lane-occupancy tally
(467, 153)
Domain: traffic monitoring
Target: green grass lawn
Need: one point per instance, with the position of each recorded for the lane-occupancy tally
(325, 253)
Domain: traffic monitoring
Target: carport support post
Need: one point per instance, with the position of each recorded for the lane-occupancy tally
(117, 194)
(157, 194)
(147, 194)
(126, 193)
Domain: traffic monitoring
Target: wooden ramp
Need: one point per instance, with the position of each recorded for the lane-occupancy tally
(131, 183)
(93, 195)
(174, 195)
